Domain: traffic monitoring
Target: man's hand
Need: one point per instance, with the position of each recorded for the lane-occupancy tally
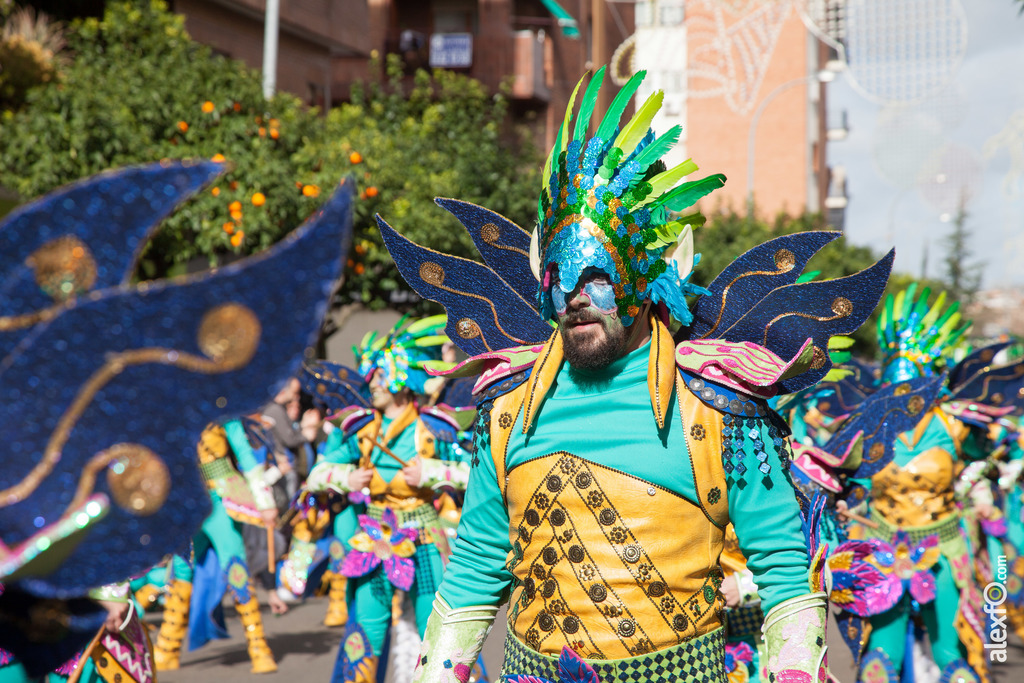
(730, 590)
(359, 479)
(269, 517)
(412, 472)
(117, 612)
(283, 464)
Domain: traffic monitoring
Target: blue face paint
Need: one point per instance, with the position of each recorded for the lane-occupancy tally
(597, 287)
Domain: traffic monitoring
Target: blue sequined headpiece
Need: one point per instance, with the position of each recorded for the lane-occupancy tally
(914, 338)
(605, 205)
(400, 355)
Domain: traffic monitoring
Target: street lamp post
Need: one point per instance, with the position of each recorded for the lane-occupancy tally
(823, 76)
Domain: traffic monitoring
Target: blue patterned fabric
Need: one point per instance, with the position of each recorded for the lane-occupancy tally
(127, 377)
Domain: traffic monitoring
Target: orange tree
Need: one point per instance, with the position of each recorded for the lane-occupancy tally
(440, 135)
(138, 89)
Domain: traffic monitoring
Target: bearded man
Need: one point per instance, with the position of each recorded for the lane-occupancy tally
(610, 459)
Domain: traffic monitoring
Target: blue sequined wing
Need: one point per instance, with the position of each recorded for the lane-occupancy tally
(881, 418)
(87, 236)
(484, 312)
(504, 246)
(335, 385)
(110, 397)
(751, 277)
(974, 363)
(1001, 386)
(789, 315)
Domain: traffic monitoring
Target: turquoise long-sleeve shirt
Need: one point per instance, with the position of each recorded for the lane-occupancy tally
(240, 445)
(605, 417)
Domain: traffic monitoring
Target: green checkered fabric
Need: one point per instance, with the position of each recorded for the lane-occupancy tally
(420, 517)
(947, 530)
(744, 621)
(216, 469)
(699, 660)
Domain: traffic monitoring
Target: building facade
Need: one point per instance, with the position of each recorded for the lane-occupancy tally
(745, 79)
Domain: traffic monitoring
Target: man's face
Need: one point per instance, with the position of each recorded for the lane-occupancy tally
(380, 396)
(592, 332)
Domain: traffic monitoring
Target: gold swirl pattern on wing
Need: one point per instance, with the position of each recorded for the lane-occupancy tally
(433, 273)
(138, 479)
(63, 268)
(875, 453)
(228, 333)
(781, 270)
(798, 314)
(1016, 374)
(491, 233)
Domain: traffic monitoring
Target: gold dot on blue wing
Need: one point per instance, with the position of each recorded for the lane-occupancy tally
(222, 402)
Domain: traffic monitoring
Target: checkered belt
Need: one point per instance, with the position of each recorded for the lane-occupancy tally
(699, 660)
(744, 621)
(947, 529)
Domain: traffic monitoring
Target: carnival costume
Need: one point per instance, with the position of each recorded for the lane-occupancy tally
(903, 434)
(193, 605)
(107, 384)
(598, 499)
(392, 535)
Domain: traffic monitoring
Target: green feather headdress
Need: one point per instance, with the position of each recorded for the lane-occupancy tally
(606, 201)
(401, 354)
(914, 337)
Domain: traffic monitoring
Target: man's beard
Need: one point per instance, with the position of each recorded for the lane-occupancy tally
(592, 353)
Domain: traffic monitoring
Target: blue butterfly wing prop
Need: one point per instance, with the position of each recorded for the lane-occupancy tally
(787, 316)
(751, 277)
(881, 418)
(86, 236)
(974, 363)
(335, 385)
(504, 246)
(484, 312)
(1001, 387)
(458, 393)
(105, 406)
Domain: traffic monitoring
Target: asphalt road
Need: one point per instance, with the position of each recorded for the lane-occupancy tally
(305, 651)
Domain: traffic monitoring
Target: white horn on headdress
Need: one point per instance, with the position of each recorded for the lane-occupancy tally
(683, 254)
(535, 253)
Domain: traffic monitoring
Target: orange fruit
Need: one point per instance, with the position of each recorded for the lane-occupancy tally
(218, 157)
(235, 206)
(215, 191)
(355, 158)
(310, 191)
(228, 227)
(236, 239)
(182, 126)
(259, 199)
(207, 107)
(371, 191)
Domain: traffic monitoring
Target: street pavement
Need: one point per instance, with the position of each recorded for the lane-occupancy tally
(305, 651)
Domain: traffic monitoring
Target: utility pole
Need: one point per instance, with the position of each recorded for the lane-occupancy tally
(270, 29)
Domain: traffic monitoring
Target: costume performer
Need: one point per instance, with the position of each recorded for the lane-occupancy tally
(389, 457)
(192, 606)
(106, 384)
(610, 458)
(909, 486)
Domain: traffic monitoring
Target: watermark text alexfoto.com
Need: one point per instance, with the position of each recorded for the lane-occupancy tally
(995, 596)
